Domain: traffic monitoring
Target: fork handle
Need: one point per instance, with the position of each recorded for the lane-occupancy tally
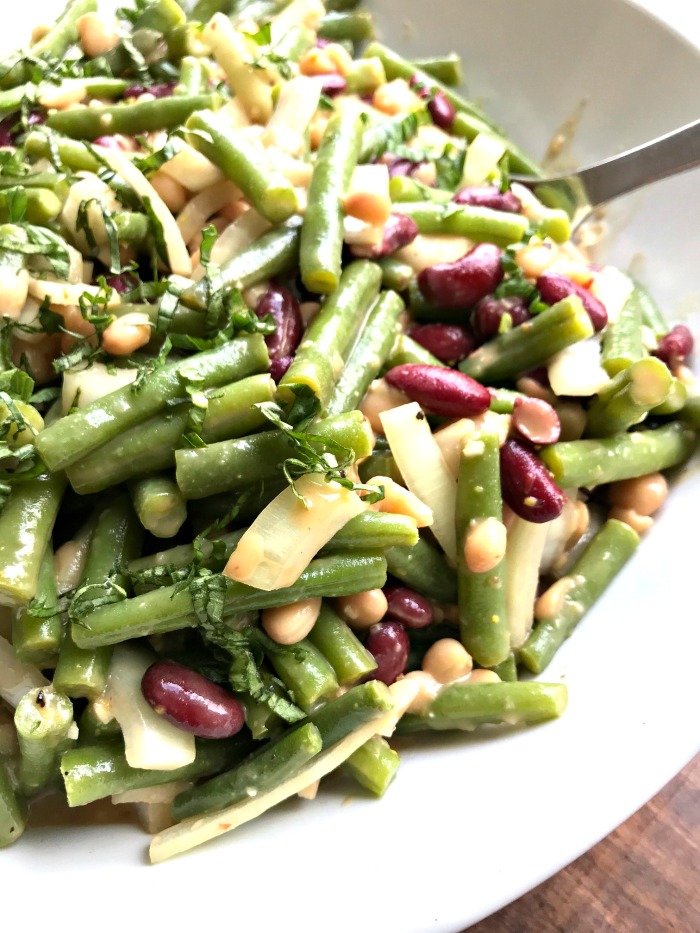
(667, 155)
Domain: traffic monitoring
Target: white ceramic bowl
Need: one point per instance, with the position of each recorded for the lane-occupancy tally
(471, 822)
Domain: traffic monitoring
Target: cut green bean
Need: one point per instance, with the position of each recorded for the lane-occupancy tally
(45, 730)
(168, 609)
(590, 463)
(374, 765)
(322, 229)
(604, 557)
(238, 463)
(193, 77)
(406, 350)
(531, 344)
(37, 630)
(269, 192)
(64, 32)
(274, 253)
(374, 530)
(369, 354)
(93, 772)
(83, 672)
(480, 224)
(652, 315)
(304, 671)
(42, 205)
(85, 430)
(150, 447)
(446, 68)
(336, 719)
(354, 25)
(629, 397)
(332, 333)
(12, 810)
(265, 769)
(507, 670)
(165, 113)
(466, 706)
(26, 524)
(396, 275)
(480, 531)
(385, 134)
(159, 504)
(423, 568)
(623, 342)
(341, 647)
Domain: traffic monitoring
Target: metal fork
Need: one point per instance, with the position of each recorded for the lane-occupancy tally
(583, 191)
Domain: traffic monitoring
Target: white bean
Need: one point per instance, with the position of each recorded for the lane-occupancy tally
(288, 625)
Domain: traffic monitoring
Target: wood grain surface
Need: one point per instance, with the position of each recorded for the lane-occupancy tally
(643, 878)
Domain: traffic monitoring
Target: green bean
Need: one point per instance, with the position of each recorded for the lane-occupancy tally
(479, 516)
(465, 706)
(165, 113)
(203, 10)
(12, 811)
(364, 76)
(133, 229)
(368, 355)
(150, 447)
(45, 730)
(396, 275)
(607, 460)
(341, 647)
(424, 569)
(274, 253)
(374, 530)
(380, 136)
(42, 205)
(322, 228)
(92, 729)
(295, 43)
(26, 524)
(622, 339)
(159, 504)
(167, 609)
(604, 557)
(12, 99)
(374, 765)
(341, 6)
(404, 188)
(406, 350)
(652, 316)
(193, 77)
(305, 672)
(37, 628)
(529, 345)
(675, 400)
(354, 25)
(117, 538)
(503, 400)
(269, 192)
(507, 670)
(690, 413)
(265, 769)
(88, 428)
(332, 333)
(629, 397)
(470, 120)
(481, 224)
(93, 772)
(447, 68)
(336, 719)
(161, 16)
(380, 463)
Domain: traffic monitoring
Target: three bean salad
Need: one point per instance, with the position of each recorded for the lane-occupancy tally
(317, 427)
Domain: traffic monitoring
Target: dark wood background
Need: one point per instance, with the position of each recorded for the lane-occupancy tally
(643, 878)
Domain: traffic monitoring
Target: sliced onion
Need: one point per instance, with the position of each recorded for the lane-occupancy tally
(577, 371)
(612, 287)
(16, 677)
(525, 547)
(81, 387)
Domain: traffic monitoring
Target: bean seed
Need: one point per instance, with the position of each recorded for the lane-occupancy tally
(288, 625)
(399, 231)
(644, 494)
(333, 84)
(675, 346)
(190, 701)
(447, 660)
(536, 420)
(388, 643)
(489, 196)
(488, 317)
(463, 283)
(440, 391)
(528, 487)
(362, 610)
(450, 343)
(553, 287)
(281, 304)
(408, 607)
(485, 545)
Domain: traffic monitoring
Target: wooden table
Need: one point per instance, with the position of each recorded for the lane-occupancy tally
(643, 878)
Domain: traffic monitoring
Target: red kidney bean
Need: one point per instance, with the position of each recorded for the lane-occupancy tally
(158, 90)
(527, 485)
(11, 126)
(398, 167)
(489, 196)
(191, 702)
(675, 346)
(535, 420)
(440, 107)
(553, 287)
(108, 142)
(333, 84)
(321, 43)
(284, 308)
(399, 231)
(462, 283)
(450, 343)
(122, 283)
(487, 316)
(440, 391)
(408, 607)
(388, 642)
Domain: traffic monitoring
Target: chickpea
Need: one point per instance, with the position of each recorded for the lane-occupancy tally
(362, 610)
(428, 687)
(640, 523)
(447, 660)
(173, 194)
(643, 494)
(97, 36)
(288, 625)
(14, 288)
(127, 334)
(381, 397)
(485, 545)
